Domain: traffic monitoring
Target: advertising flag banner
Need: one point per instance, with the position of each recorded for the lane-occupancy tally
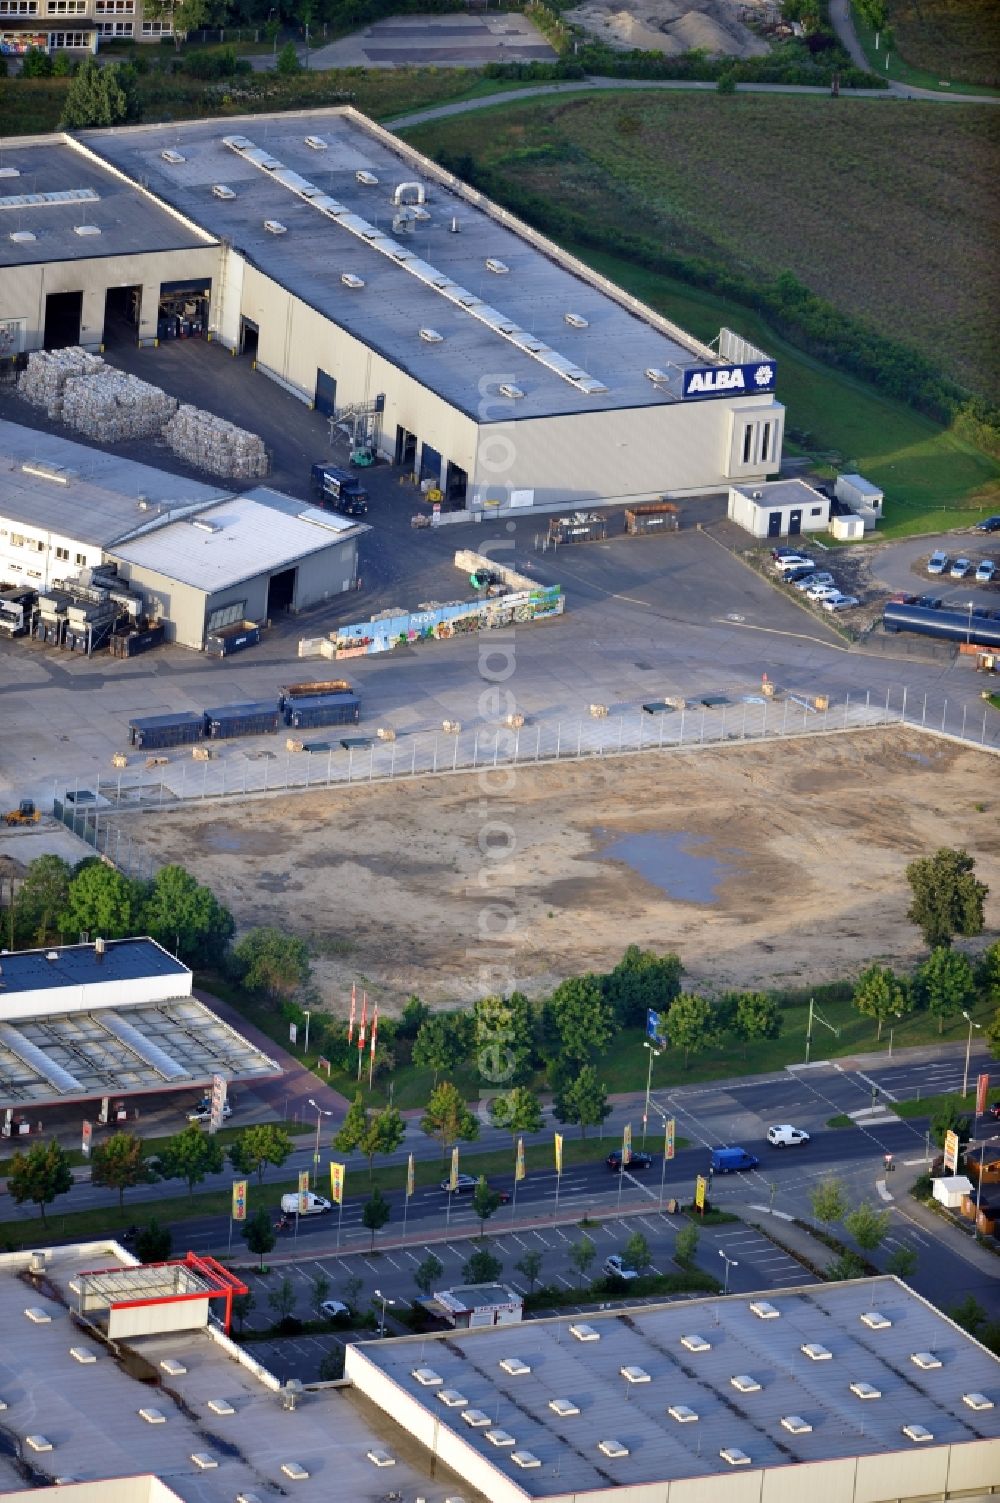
(239, 1211)
(982, 1091)
(951, 1152)
(323, 1063)
(364, 1021)
(88, 1134)
(410, 1176)
(303, 1190)
(293, 1033)
(337, 1184)
(218, 1103)
(654, 1028)
(519, 1170)
(354, 1008)
(700, 1191)
(668, 1149)
(559, 1152)
(453, 1181)
(627, 1145)
(374, 1028)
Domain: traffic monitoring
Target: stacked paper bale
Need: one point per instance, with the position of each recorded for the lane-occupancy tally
(111, 406)
(210, 443)
(44, 381)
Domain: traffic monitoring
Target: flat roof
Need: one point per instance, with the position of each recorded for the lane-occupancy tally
(782, 493)
(533, 288)
(90, 1410)
(129, 220)
(632, 1365)
(238, 539)
(75, 965)
(98, 501)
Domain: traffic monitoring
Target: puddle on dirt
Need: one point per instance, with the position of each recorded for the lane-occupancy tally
(670, 860)
(920, 757)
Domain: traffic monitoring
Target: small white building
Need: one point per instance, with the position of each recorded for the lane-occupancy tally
(951, 1189)
(473, 1305)
(779, 508)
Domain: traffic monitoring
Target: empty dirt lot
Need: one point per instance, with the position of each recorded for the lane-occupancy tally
(788, 857)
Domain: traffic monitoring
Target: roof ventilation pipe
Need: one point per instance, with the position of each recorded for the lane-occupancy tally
(401, 188)
(99, 946)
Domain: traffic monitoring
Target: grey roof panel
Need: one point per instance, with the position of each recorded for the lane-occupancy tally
(76, 965)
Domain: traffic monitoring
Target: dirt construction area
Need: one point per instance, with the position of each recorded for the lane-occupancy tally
(770, 865)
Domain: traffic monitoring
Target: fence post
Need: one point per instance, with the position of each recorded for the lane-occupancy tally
(683, 713)
(454, 756)
(413, 759)
(784, 718)
(944, 713)
(983, 741)
(923, 718)
(579, 736)
(475, 750)
(538, 741)
(558, 740)
(350, 764)
(964, 709)
(435, 753)
(903, 711)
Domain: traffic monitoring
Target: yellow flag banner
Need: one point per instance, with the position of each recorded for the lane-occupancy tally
(303, 1191)
(519, 1170)
(239, 1212)
(627, 1145)
(668, 1151)
(409, 1176)
(700, 1190)
(559, 1152)
(453, 1181)
(337, 1184)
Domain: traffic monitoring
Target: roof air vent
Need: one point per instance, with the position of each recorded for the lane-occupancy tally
(426, 1376)
(514, 1366)
(763, 1310)
(380, 1458)
(499, 268)
(634, 1374)
(502, 1438)
(682, 1414)
(431, 336)
(275, 227)
(917, 1432)
(525, 1459)
(583, 1332)
(612, 1448)
(452, 1399)
(734, 1456)
(745, 1383)
(52, 955)
(658, 377)
(875, 1320)
(925, 1360)
(796, 1424)
(86, 229)
(509, 390)
(350, 280)
(696, 1344)
(977, 1401)
(577, 320)
(367, 178)
(22, 237)
(455, 227)
(173, 157)
(816, 1352)
(866, 1391)
(563, 1407)
(476, 1419)
(10, 172)
(315, 143)
(220, 190)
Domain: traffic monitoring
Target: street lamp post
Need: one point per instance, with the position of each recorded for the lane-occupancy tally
(730, 1263)
(385, 1301)
(653, 1054)
(321, 1112)
(968, 1052)
(305, 1047)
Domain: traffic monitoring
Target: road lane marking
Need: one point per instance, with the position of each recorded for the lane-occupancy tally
(883, 1190)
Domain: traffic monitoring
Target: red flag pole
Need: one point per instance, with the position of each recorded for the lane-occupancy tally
(361, 1030)
(371, 1062)
(354, 1004)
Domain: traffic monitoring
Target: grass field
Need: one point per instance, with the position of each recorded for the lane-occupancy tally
(957, 40)
(887, 210)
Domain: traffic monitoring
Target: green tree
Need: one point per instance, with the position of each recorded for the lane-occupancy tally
(945, 984)
(992, 1032)
(583, 1100)
(485, 1202)
(100, 901)
(282, 1300)
(880, 994)
(331, 1367)
(64, 66)
(637, 1253)
(847, 1265)
(184, 15)
(190, 1155)
(439, 1045)
(948, 899)
(352, 1288)
(447, 1117)
(288, 61)
(257, 1146)
(518, 1110)
(757, 1016)
(868, 1227)
(902, 1261)
(272, 962)
(374, 1215)
(187, 918)
(242, 1306)
(36, 63)
(503, 1030)
(258, 1233)
(154, 1242)
(949, 1115)
(370, 1132)
(581, 1017)
(829, 1201)
(582, 1255)
(641, 981)
(120, 1164)
(41, 900)
(690, 1025)
(99, 95)
(530, 1264)
(987, 971)
(427, 1273)
(40, 1175)
(414, 1013)
(482, 1267)
(686, 1245)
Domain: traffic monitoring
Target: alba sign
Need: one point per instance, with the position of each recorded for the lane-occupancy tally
(729, 380)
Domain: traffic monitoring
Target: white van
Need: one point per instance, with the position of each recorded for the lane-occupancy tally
(312, 1205)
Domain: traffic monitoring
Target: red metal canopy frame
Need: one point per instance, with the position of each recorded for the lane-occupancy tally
(222, 1284)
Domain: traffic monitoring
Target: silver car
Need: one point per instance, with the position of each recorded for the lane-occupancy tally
(986, 571)
(811, 580)
(838, 602)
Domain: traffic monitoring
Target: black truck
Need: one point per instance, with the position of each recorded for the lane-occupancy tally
(339, 490)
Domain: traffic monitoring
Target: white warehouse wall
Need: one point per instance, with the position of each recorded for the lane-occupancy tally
(59, 999)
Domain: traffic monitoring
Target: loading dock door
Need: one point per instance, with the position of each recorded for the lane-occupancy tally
(406, 448)
(326, 393)
(281, 592)
(63, 316)
(430, 464)
(774, 524)
(249, 335)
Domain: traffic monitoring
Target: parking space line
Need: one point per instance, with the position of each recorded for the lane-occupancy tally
(566, 1282)
(398, 1266)
(519, 1241)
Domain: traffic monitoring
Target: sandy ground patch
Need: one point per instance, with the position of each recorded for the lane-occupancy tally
(810, 841)
(670, 26)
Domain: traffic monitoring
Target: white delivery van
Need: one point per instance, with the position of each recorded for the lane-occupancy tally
(312, 1205)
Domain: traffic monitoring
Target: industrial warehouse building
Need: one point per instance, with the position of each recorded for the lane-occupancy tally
(199, 557)
(446, 334)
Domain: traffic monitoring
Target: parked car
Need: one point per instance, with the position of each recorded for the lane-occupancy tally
(986, 571)
(332, 1308)
(784, 553)
(729, 1160)
(203, 1112)
(930, 602)
(960, 568)
(988, 524)
(937, 563)
(994, 1111)
(786, 1136)
(821, 592)
(840, 602)
(616, 1268)
(637, 1160)
(815, 578)
(466, 1183)
(793, 561)
(312, 1205)
(792, 576)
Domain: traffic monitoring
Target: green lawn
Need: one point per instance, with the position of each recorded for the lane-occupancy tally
(928, 1105)
(950, 46)
(225, 1136)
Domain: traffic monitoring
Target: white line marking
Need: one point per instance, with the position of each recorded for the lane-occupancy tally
(880, 1186)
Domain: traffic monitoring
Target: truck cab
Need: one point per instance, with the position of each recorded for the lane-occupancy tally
(339, 490)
